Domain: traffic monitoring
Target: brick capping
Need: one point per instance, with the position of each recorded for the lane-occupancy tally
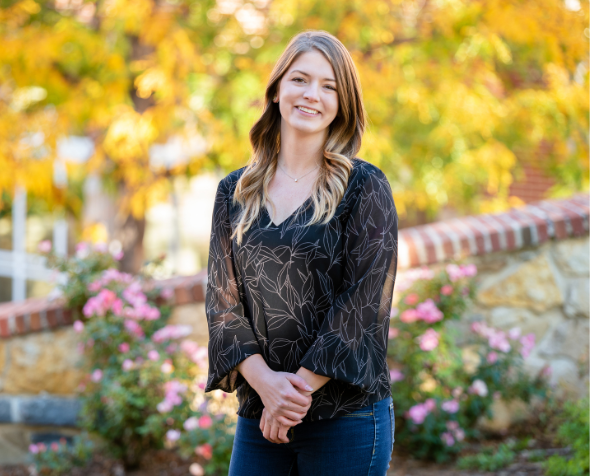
(458, 238)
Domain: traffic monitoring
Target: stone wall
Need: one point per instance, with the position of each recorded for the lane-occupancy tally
(533, 267)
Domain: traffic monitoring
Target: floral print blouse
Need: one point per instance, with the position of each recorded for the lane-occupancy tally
(315, 296)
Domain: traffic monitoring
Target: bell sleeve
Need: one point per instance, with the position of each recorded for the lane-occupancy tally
(351, 344)
(231, 338)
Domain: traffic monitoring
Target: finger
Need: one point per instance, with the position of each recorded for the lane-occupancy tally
(262, 421)
(293, 397)
(299, 382)
(282, 435)
(267, 429)
(288, 423)
(274, 432)
(295, 405)
(294, 416)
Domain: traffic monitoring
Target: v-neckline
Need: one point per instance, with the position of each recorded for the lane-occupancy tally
(294, 212)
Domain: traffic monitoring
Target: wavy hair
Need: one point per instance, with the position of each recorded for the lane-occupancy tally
(342, 144)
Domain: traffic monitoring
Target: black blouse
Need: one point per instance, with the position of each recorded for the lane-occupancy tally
(317, 297)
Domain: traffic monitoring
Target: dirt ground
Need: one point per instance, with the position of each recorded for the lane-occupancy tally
(166, 463)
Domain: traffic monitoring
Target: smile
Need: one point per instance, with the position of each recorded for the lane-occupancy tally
(306, 110)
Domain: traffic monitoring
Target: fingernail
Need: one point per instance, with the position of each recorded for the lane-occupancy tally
(308, 388)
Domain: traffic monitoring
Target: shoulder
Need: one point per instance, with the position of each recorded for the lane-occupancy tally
(366, 175)
(228, 183)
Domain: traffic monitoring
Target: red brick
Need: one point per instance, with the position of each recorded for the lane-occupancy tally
(4, 330)
(20, 324)
(36, 322)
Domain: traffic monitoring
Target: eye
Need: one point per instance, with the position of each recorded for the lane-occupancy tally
(332, 88)
(295, 79)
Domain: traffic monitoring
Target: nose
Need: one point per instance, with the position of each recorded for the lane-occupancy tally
(312, 92)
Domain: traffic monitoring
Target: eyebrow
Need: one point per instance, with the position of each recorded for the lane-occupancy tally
(304, 73)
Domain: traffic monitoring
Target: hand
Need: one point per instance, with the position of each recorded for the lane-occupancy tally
(281, 395)
(272, 430)
(286, 396)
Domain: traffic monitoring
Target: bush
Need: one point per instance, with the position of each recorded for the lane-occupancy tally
(574, 431)
(60, 457)
(490, 459)
(438, 394)
(144, 384)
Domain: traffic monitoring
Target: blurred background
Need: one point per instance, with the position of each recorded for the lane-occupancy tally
(119, 117)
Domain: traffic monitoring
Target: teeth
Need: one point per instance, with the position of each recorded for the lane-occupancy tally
(310, 111)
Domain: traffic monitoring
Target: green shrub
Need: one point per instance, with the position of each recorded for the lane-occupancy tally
(144, 381)
(439, 395)
(490, 459)
(60, 457)
(574, 432)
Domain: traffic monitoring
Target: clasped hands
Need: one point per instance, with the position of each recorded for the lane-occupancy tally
(286, 398)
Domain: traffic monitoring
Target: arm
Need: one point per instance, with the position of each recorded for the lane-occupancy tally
(351, 343)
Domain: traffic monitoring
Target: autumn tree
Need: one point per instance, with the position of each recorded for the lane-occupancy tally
(460, 93)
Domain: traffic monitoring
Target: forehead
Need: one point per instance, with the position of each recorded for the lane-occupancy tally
(313, 63)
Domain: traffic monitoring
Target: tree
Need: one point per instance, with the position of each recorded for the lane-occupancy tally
(459, 93)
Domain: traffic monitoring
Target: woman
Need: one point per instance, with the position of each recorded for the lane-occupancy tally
(302, 264)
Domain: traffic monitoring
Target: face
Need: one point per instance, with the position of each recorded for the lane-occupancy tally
(307, 94)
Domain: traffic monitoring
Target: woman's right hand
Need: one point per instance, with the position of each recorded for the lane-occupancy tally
(281, 394)
(286, 396)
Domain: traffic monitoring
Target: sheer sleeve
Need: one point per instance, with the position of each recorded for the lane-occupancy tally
(351, 344)
(231, 338)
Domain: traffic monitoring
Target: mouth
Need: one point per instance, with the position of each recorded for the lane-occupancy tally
(307, 111)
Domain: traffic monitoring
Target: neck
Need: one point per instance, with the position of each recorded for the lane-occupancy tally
(301, 152)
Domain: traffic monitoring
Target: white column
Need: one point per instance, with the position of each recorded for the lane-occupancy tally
(19, 220)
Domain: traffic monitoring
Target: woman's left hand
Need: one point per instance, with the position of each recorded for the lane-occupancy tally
(272, 429)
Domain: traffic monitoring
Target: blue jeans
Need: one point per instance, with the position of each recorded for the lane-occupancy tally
(357, 444)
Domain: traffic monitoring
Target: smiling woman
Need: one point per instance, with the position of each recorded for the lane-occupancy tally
(299, 292)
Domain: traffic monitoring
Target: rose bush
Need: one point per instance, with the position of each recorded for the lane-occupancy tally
(438, 395)
(144, 379)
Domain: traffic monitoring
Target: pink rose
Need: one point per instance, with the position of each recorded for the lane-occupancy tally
(527, 342)
(127, 365)
(446, 290)
(172, 435)
(417, 413)
(33, 449)
(153, 355)
(428, 312)
(492, 357)
(450, 406)
(392, 333)
(429, 340)
(395, 375)
(205, 422)
(96, 375)
(44, 246)
(191, 423)
(514, 333)
(78, 326)
(409, 316)
(411, 299)
(479, 388)
(447, 438)
(205, 450)
(124, 347)
(430, 404)
(394, 312)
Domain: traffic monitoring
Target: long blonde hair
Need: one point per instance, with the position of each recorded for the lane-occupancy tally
(341, 146)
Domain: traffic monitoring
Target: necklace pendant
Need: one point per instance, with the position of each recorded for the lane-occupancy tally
(295, 180)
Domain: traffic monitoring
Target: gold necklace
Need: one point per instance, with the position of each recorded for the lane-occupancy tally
(296, 179)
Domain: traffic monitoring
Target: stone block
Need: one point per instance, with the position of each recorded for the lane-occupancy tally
(567, 338)
(5, 410)
(565, 375)
(14, 442)
(577, 302)
(43, 361)
(531, 284)
(194, 316)
(505, 413)
(49, 411)
(573, 256)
